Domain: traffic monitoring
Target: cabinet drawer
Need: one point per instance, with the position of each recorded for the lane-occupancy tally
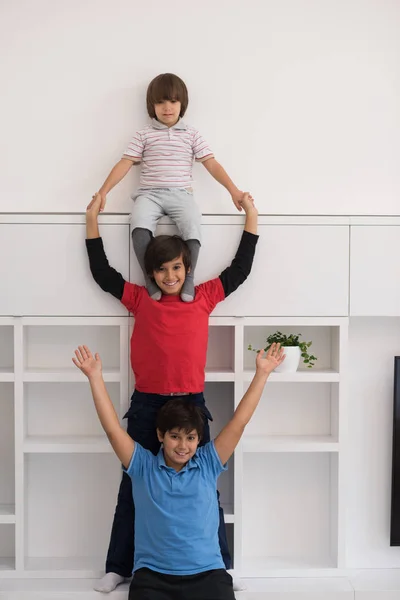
(299, 270)
(45, 270)
(374, 271)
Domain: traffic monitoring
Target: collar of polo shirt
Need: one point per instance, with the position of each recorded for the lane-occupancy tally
(178, 125)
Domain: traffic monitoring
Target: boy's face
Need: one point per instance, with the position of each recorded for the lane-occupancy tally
(170, 277)
(179, 447)
(168, 111)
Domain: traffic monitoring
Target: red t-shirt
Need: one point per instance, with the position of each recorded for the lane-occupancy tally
(170, 355)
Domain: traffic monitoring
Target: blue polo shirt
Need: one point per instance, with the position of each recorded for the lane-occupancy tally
(176, 513)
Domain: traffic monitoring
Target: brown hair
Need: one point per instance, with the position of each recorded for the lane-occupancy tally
(162, 249)
(166, 86)
(180, 414)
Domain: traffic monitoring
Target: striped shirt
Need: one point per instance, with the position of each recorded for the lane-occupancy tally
(167, 154)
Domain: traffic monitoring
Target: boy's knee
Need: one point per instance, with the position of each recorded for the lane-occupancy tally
(141, 235)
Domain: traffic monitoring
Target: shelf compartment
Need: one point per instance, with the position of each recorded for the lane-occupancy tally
(219, 399)
(220, 350)
(289, 512)
(6, 351)
(7, 513)
(6, 375)
(297, 411)
(48, 349)
(66, 566)
(217, 375)
(313, 375)
(295, 566)
(7, 451)
(325, 345)
(72, 517)
(66, 375)
(64, 414)
(228, 513)
(7, 547)
(286, 443)
(42, 444)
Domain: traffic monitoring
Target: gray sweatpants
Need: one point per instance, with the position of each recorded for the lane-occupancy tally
(177, 203)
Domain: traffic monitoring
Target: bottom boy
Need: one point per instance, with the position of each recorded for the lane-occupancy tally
(177, 552)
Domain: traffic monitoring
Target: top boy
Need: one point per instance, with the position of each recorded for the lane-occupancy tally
(166, 149)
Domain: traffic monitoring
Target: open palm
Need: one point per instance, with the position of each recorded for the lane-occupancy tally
(86, 362)
(274, 357)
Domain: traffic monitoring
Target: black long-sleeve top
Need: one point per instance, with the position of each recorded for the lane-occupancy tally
(112, 281)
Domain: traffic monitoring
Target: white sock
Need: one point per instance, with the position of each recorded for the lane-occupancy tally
(108, 583)
(238, 585)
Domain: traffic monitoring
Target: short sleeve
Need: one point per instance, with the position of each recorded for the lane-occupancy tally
(201, 149)
(213, 293)
(210, 461)
(132, 296)
(139, 462)
(135, 147)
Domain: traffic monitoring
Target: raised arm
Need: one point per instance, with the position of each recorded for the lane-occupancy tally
(90, 365)
(228, 439)
(240, 268)
(104, 275)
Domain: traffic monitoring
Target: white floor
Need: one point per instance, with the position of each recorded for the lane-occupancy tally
(371, 584)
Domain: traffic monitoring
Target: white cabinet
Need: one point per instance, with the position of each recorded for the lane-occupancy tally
(375, 271)
(45, 271)
(298, 270)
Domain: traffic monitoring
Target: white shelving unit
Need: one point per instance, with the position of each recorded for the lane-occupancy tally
(58, 475)
(283, 494)
(290, 517)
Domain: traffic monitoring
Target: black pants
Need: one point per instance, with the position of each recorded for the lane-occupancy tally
(210, 585)
(141, 417)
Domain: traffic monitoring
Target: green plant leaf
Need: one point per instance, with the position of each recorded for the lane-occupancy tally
(289, 340)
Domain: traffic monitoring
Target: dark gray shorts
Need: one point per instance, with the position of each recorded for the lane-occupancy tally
(177, 203)
(210, 585)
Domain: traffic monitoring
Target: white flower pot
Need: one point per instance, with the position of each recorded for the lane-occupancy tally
(292, 360)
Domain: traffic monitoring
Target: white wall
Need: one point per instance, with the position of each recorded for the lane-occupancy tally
(298, 98)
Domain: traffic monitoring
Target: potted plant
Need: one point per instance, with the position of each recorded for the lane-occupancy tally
(294, 350)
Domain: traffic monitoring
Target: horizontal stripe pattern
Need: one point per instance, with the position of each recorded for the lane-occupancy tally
(166, 154)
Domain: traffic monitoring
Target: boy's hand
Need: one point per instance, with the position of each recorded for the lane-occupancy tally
(247, 202)
(274, 357)
(237, 197)
(93, 208)
(89, 365)
(95, 199)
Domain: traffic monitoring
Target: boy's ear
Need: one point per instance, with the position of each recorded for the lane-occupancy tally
(160, 435)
